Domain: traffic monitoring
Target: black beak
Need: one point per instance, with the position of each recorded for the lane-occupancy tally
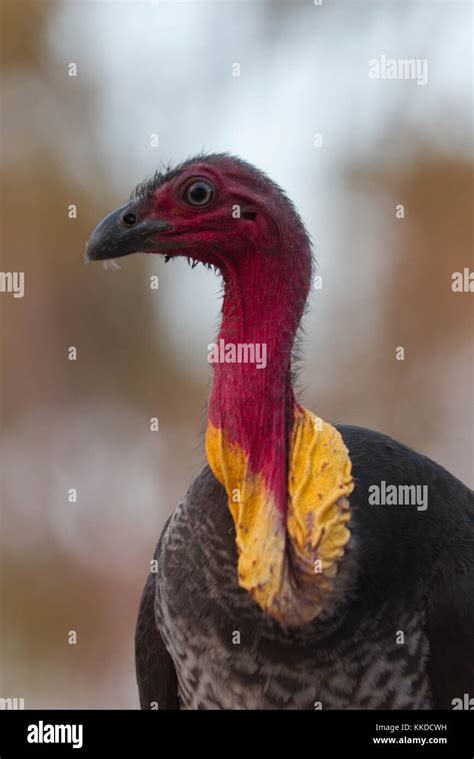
(122, 232)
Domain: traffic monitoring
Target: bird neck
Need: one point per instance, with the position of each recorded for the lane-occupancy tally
(286, 476)
(252, 398)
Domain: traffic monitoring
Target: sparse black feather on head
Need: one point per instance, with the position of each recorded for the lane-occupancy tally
(144, 190)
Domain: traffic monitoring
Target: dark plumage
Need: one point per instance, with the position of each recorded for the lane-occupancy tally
(237, 617)
(410, 574)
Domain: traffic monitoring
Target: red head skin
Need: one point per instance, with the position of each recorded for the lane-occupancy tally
(265, 260)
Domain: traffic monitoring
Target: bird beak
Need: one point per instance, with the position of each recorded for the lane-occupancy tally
(127, 231)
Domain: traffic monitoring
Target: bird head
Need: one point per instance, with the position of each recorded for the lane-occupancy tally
(215, 209)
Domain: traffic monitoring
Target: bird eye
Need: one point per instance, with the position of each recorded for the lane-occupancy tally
(199, 193)
(129, 219)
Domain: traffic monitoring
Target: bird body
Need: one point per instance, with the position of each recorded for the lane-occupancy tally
(231, 655)
(280, 583)
(372, 651)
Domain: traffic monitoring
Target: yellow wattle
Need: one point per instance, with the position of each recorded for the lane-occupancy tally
(288, 562)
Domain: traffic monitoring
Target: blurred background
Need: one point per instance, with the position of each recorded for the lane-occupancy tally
(166, 68)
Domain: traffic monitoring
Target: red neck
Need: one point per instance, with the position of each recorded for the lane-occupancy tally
(263, 305)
